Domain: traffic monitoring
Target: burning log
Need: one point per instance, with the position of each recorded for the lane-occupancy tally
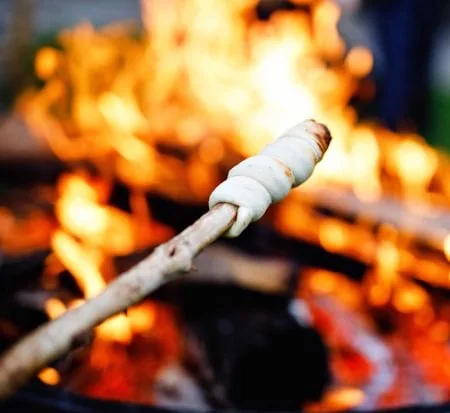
(244, 197)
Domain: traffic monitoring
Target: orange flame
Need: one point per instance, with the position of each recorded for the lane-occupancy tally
(54, 308)
(88, 276)
(79, 213)
(142, 317)
(49, 376)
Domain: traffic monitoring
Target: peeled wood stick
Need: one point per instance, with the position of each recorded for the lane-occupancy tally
(244, 197)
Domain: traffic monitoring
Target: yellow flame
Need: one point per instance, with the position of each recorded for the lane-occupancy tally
(49, 376)
(54, 308)
(121, 114)
(346, 397)
(446, 247)
(80, 213)
(76, 303)
(209, 67)
(387, 261)
(338, 399)
(326, 17)
(410, 298)
(333, 235)
(365, 164)
(116, 328)
(379, 294)
(142, 317)
(77, 260)
(416, 164)
(322, 282)
(359, 61)
(46, 63)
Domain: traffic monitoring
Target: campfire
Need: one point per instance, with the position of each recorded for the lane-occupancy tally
(148, 123)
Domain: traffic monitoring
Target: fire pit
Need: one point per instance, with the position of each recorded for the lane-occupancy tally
(145, 125)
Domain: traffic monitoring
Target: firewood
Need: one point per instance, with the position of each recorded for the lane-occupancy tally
(243, 198)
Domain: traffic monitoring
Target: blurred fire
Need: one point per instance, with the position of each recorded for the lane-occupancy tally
(212, 81)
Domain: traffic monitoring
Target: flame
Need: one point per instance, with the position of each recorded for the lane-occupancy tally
(359, 61)
(365, 169)
(76, 303)
(333, 235)
(116, 328)
(89, 277)
(439, 331)
(47, 61)
(338, 399)
(210, 75)
(385, 276)
(80, 213)
(410, 298)
(416, 164)
(49, 376)
(121, 114)
(54, 308)
(77, 260)
(142, 317)
(228, 67)
(446, 247)
(346, 397)
(424, 316)
(322, 282)
(325, 19)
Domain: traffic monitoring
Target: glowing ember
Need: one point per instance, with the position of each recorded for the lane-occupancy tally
(49, 376)
(339, 399)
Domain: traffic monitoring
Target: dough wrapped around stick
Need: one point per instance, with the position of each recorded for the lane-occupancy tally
(257, 182)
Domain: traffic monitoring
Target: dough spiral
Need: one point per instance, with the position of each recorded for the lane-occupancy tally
(257, 182)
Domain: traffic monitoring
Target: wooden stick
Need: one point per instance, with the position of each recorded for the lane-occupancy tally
(244, 197)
